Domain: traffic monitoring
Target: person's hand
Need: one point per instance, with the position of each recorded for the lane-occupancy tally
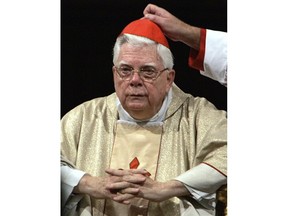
(147, 188)
(100, 187)
(169, 24)
(172, 27)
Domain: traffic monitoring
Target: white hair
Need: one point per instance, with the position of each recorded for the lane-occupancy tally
(164, 53)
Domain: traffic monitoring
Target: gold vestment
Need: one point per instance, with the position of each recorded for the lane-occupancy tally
(193, 132)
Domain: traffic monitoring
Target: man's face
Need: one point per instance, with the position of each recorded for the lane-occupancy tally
(142, 100)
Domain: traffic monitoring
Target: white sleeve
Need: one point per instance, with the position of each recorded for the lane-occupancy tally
(202, 182)
(215, 59)
(69, 179)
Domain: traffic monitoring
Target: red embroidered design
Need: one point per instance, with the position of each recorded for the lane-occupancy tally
(135, 163)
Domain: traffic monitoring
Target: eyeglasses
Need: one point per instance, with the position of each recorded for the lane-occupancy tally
(147, 74)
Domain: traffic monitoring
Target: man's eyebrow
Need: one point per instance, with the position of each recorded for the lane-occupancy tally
(149, 64)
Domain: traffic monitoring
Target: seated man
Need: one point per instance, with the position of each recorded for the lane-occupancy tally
(147, 149)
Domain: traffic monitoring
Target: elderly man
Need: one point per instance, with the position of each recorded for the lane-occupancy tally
(147, 149)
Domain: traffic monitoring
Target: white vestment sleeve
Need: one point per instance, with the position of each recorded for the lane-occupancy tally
(202, 182)
(215, 59)
(69, 179)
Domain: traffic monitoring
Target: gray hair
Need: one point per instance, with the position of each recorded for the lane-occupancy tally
(164, 53)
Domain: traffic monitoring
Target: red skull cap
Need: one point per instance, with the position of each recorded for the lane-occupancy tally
(148, 29)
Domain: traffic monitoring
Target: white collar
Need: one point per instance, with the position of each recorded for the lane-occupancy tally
(158, 117)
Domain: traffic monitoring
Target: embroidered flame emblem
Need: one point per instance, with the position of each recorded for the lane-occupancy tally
(134, 164)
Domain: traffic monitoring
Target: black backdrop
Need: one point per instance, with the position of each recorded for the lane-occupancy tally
(88, 32)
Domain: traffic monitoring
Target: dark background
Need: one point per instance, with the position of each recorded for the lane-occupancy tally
(88, 32)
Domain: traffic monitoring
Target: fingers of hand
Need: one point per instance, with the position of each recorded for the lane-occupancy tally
(139, 171)
(116, 172)
(123, 198)
(150, 8)
(134, 178)
(119, 185)
(122, 172)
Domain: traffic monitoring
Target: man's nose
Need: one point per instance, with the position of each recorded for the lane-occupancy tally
(136, 79)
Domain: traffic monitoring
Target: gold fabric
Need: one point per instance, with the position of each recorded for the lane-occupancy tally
(194, 131)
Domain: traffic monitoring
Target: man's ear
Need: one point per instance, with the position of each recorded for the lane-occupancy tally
(170, 77)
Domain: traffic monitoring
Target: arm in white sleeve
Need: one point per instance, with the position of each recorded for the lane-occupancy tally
(69, 179)
(202, 182)
(215, 59)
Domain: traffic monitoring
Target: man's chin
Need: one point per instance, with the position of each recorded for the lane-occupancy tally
(136, 108)
(137, 111)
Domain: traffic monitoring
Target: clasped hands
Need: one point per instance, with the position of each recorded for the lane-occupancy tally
(123, 185)
(127, 184)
